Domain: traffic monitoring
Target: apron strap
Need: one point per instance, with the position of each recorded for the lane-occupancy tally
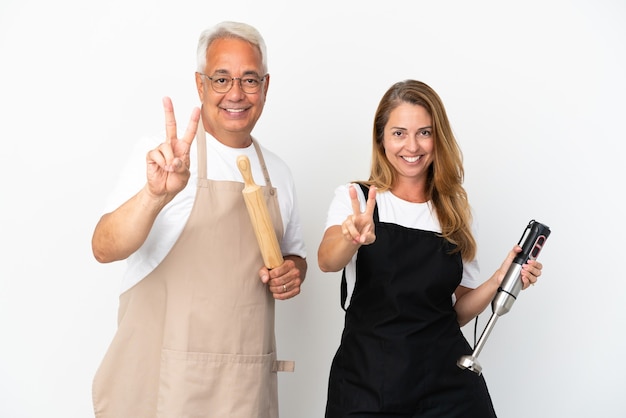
(268, 182)
(283, 366)
(201, 144)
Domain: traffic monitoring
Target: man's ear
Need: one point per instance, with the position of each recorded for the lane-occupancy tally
(267, 84)
(200, 86)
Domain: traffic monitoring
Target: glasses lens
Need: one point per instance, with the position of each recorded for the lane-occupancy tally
(250, 84)
(221, 84)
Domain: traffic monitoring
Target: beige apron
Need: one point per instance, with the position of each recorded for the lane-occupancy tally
(196, 336)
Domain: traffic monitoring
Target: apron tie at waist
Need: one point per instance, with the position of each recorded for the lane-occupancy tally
(283, 366)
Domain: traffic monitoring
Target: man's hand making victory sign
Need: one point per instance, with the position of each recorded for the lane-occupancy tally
(168, 164)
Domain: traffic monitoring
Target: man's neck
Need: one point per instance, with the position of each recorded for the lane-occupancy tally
(231, 139)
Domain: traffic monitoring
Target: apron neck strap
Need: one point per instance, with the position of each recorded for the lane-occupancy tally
(202, 163)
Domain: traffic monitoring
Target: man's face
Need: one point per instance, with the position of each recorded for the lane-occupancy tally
(231, 116)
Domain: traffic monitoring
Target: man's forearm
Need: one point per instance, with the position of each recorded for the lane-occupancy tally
(120, 233)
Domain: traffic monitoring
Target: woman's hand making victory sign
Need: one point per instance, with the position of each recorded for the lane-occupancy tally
(359, 227)
(341, 242)
(168, 164)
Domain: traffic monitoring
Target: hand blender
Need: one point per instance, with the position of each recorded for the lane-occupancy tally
(534, 237)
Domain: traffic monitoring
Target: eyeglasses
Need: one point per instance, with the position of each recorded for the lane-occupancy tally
(248, 84)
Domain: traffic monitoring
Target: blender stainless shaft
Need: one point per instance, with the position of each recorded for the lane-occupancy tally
(536, 235)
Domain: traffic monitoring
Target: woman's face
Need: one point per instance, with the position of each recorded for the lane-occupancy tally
(408, 141)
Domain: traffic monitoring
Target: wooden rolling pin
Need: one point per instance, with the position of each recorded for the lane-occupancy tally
(259, 216)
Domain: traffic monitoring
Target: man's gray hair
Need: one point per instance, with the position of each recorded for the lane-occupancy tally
(230, 30)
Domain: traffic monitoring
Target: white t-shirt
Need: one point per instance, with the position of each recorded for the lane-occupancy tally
(221, 166)
(392, 209)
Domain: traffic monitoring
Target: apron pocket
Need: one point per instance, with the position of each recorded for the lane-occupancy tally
(194, 385)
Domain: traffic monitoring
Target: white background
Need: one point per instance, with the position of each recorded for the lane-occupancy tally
(535, 93)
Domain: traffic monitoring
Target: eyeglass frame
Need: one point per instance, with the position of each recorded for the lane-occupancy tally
(232, 82)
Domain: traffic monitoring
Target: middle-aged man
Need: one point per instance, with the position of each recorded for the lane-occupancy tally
(195, 333)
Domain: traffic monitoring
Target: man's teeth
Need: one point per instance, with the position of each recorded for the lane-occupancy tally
(411, 159)
(235, 110)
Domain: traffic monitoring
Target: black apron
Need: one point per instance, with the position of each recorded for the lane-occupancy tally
(401, 338)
